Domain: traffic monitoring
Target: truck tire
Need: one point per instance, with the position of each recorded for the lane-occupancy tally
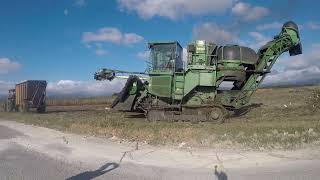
(41, 109)
(4, 106)
(20, 108)
(24, 107)
(9, 106)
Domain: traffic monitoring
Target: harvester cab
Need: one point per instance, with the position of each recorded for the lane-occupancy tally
(165, 57)
(169, 90)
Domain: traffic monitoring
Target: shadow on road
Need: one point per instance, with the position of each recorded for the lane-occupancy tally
(96, 173)
(8, 133)
(220, 175)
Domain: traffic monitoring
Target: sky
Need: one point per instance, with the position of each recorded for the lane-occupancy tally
(66, 41)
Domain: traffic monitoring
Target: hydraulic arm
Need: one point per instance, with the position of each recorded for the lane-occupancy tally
(108, 74)
(287, 40)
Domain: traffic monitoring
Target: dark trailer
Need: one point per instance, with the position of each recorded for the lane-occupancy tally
(31, 94)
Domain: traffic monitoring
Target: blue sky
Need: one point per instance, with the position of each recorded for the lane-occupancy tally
(66, 41)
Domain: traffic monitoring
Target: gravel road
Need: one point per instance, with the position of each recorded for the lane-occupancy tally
(30, 152)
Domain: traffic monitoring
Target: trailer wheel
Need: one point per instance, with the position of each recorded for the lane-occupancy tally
(24, 107)
(41, 109)
(8, 106)
(4, 106)
(20, 108)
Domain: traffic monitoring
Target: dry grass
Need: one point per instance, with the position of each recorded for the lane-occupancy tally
(314, 100)
(52, 101)
(284, 121)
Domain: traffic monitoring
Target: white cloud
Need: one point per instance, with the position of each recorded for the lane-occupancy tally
(66, 12)
(80, 3)
(103, 35)
(273, 25)
(131, 38)
(307, 59)
(258, 41)
(173, 9)
(313, 25)
(257, 36)
(249, 13)
(5, 86)
(111, 34)
(213, 32)
(87, 88)
(97, 48)
(303, 76)
(89, 46)
(7, 65)
(299, 69)
(143, 55)
(101, 52)
(74, 88)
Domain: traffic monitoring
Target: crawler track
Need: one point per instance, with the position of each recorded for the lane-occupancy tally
(205, 113)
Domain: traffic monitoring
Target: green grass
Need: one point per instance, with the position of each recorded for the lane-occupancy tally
(286, 120)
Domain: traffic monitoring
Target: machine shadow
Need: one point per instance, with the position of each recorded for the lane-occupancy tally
(75, 110)
(96, 173)
(244, 110)
(240, 112)
(136, 116)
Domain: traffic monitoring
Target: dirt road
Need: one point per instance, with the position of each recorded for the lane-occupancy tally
(29, 152)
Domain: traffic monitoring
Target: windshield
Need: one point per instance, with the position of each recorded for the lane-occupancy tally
(163, 57)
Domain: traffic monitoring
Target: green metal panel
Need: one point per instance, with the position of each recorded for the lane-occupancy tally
(197, 67)
(161, 85)
(207, 79)
(179, 86)
(192, 80)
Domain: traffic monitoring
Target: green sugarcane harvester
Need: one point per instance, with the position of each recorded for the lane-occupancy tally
(168, 91)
